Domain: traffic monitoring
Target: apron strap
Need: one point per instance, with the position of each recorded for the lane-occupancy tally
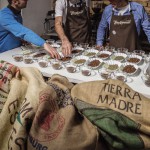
(68, 3)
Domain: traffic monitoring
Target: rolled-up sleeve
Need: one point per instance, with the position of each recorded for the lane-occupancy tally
(59, 8)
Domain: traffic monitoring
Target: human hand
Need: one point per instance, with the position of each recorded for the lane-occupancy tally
(99, 47)
(66, 47)
(52, 51)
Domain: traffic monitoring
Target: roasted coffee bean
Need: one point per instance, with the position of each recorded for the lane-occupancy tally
(39, 55)
(94, 63)
(65, 58)
(103, 55)
(129, 69)
(76, 51)
(133, 60)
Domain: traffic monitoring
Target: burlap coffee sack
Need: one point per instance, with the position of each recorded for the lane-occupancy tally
(121, 114)
(20, 108)
(7, 72)
(37, 115)
(57, 125)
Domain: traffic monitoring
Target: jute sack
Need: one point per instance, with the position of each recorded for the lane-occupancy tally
(41, 116)
(20, 108)
(7, 72)
(121, 114)
(57, 125)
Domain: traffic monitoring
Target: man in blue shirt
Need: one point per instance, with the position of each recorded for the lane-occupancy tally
(12, 31)
(124, 20)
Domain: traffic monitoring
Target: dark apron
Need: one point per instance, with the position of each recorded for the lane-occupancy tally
(77, 26)
(123, 32)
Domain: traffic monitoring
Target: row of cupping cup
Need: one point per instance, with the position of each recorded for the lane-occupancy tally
(86, 71)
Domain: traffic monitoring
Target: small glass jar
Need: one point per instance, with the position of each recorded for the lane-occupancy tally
(27, 59)
(74, 44)
(85, 71)
(147, 58)
(110, 48)
(139, 52)
(119, 75)
(43, 63)
(122, 50)
(104, 73)
(84, 45)
(18, 57)
(71, 68)
(57, 65)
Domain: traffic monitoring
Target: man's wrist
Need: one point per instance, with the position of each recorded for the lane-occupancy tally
(64, 39)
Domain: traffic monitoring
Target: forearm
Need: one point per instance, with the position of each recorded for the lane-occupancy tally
(66, 45)
(101, 31)
(59, 29)
(100, 36)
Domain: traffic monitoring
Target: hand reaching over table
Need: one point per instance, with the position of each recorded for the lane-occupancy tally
(52, 51)
(66, 47)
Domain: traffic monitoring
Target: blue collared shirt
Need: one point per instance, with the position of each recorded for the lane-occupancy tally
(12, 31)
(140, 16)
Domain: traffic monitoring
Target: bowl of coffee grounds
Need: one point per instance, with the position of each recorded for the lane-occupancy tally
(39, 55)
(79, 60)
(112, 65)
(119, 56)
(90, 52)
(104, 54)
(65, 59)
(129, 68)
(136, 59)
(77, 50)
(94, 63)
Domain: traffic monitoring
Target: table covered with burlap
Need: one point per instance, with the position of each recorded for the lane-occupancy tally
(57, 115)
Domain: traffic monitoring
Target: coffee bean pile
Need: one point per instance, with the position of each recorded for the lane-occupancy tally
(133, 60)
(129, 69)
(94, 63)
